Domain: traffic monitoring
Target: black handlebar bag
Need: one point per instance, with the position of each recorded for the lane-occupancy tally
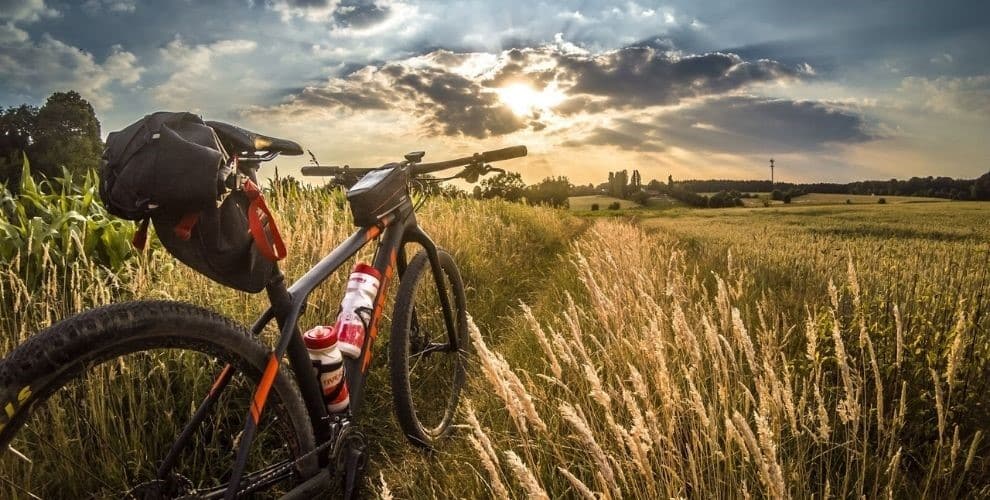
(171, 168)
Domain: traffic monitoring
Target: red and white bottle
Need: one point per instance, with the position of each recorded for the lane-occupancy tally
(362, 287)
(321, 341)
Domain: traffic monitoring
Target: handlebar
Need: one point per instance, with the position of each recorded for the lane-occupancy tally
(427, 168)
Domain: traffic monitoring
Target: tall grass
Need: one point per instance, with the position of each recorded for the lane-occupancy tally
(661, 379)
(724, 355)
(152, 395)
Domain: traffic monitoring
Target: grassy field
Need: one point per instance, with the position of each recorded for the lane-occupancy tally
(787, 351)
(840, 199)
(585, 202)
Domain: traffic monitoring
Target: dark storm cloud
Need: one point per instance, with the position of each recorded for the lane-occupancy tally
(457, 105)
(450, 104)
(454, 104)
(743, 124)
(351, 98)
(739, 125)
(360, 13)
(643, 76)
(307, 3)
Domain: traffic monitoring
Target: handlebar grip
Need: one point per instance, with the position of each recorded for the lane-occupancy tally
(504, 154)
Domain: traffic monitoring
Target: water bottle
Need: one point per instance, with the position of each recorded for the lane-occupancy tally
(362, 287)
(321, 342)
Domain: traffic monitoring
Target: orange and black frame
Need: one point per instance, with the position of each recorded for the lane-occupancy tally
(393, 230)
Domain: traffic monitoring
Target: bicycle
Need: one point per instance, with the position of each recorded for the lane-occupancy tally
(269, 419)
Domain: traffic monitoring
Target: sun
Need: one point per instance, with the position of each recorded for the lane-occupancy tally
(524, 100)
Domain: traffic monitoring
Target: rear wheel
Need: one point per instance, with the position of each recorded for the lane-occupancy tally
(96, 402)
(428, 362)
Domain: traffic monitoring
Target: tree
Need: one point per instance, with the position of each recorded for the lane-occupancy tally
(506, 185)
(981, 188)
(550, 191)
(618, 183)
(67, 134)
(16, 129)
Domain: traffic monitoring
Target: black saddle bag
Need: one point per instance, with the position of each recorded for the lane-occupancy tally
(171, 169)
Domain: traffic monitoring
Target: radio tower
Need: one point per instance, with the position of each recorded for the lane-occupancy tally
(771, 173)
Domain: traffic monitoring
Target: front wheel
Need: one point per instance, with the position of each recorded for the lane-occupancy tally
(427, 360)
(94, 404)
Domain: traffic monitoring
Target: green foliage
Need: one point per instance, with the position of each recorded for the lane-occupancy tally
(62, 137)
(552, 191)
(594, 207)
(506, 185)
(67, 136)
(981, 188)
(55, 222)
(641, 197)
(614, 205)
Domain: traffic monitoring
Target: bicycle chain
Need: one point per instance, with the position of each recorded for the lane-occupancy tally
(340, 430)
(285, 468)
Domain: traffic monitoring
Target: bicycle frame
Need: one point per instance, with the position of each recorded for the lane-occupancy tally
(394, 230)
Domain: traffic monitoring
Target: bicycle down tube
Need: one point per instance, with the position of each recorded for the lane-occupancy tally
(289, 334)
(393, 233)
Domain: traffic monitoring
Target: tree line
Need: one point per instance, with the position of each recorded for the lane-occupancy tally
(935, 187)
(64, 133)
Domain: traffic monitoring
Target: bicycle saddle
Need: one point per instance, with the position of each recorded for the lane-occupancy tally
(237, 140)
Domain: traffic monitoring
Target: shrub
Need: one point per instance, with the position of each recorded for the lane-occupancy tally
(614, 205)
(594, 207)
(882, 201)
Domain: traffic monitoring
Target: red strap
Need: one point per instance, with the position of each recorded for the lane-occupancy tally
(262, 224)
(141, 235)
(185, 226)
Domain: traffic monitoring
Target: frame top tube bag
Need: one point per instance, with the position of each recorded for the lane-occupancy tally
(171, 169)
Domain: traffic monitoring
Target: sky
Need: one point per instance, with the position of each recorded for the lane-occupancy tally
(834, 91)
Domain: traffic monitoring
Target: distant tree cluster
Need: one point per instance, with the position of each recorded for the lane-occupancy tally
(63, 133)
(936, 187)
(552, 191)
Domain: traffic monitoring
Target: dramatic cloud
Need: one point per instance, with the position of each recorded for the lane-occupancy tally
(311, 10)
(738, 125)
(111, 6)
(645, 76)
(360, 13)
(966, 96)
(479, 95)
(35, 68)
(628, 136)
(25, 10)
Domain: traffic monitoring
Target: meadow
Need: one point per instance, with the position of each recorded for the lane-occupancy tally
(771, 352)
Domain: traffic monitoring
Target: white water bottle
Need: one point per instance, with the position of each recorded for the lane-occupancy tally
(321, 341)
(362, 287)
